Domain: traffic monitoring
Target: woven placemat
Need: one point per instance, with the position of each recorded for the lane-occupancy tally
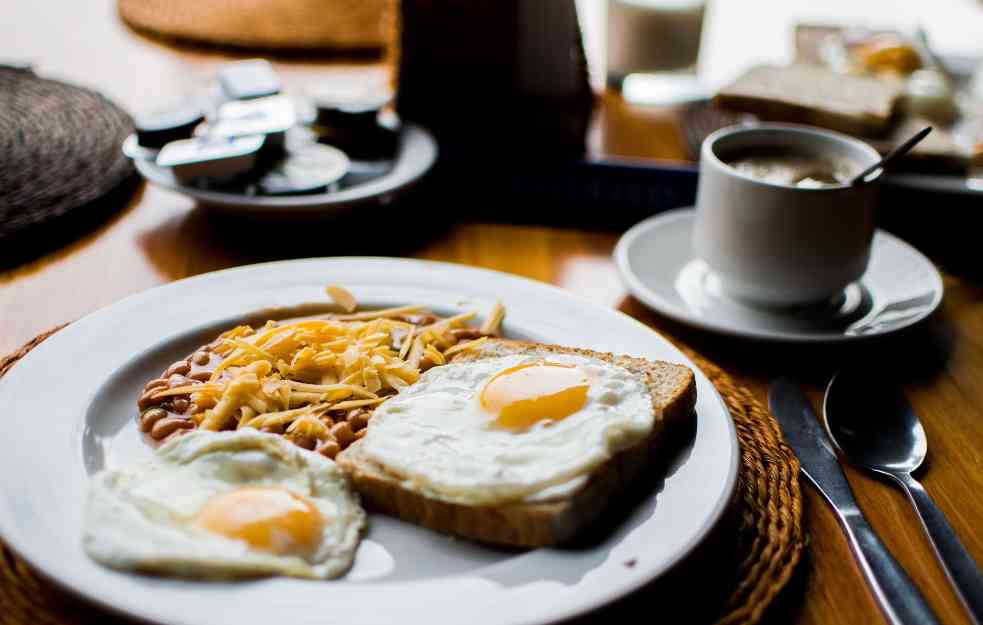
(59, 151)
(268, 25)
(770, 539)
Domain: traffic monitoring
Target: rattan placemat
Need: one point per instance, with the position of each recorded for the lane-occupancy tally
(770, 539)
(59, 151)
(274, 25)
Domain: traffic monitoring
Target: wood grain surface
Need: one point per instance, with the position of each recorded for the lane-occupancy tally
(162, 237)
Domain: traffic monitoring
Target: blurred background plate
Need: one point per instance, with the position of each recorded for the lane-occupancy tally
(699, 118)
(416, 155)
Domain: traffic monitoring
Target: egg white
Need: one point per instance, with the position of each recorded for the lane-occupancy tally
(137, 517)
(437, 438)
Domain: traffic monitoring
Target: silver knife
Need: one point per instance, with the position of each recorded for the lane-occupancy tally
(895, 592)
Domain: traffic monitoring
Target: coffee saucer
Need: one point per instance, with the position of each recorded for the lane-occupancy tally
(900, 288)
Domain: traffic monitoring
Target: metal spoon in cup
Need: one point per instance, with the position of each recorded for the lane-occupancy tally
(888, 158)
(874, 426)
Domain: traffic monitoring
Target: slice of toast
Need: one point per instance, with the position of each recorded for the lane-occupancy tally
(809, 94)
(938, 153)
(547, 519)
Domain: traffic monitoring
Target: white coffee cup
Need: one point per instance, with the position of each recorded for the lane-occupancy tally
(780, 245)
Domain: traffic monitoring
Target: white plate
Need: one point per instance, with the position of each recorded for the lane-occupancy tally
(416, 155)
(961, 68)
(936, 183)
(72, 400)
(655, 260)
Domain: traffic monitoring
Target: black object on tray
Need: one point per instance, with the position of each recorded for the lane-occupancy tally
(281, 154)
(59, 157)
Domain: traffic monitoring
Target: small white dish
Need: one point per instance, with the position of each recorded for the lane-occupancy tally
(402, 573)
(656, 262)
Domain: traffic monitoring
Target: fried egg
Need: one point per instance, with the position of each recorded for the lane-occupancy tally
(505, 428)
(225, 504)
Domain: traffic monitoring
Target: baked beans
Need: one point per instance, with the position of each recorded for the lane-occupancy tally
(304, 442)
(182, 367)
(151, 417)
(147, 400)
(358, 419)
(342, 432)
(155, 384)
(200, 376)
(165, 417)
(176, 379)
(329, 448)
(168, 425)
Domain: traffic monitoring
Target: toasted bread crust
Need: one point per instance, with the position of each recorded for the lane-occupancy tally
(800, 94)
(541, 523)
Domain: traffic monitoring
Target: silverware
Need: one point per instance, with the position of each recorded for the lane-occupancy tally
(890, 157)
(897, 595)
(874, 426)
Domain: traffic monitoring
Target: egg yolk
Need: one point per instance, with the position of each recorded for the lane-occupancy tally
(269, 519)
(523, 395)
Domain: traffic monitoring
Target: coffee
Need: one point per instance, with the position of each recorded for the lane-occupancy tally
(794, 169)
(776, 243)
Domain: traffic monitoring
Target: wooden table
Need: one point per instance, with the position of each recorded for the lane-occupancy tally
(161, 237)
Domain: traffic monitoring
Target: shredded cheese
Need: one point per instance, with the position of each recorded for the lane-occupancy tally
(300, 377)
(463, 346)
(494, 320)
(381, 314)
(343, 297)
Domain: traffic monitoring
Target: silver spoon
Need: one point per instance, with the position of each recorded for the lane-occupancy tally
(874, 426)
(897, 152)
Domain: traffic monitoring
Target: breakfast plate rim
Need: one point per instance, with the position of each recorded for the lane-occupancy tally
(84, 331)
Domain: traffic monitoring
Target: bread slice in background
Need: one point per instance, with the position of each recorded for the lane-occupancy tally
(548, 519)
(809, 94)
(938, 153)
